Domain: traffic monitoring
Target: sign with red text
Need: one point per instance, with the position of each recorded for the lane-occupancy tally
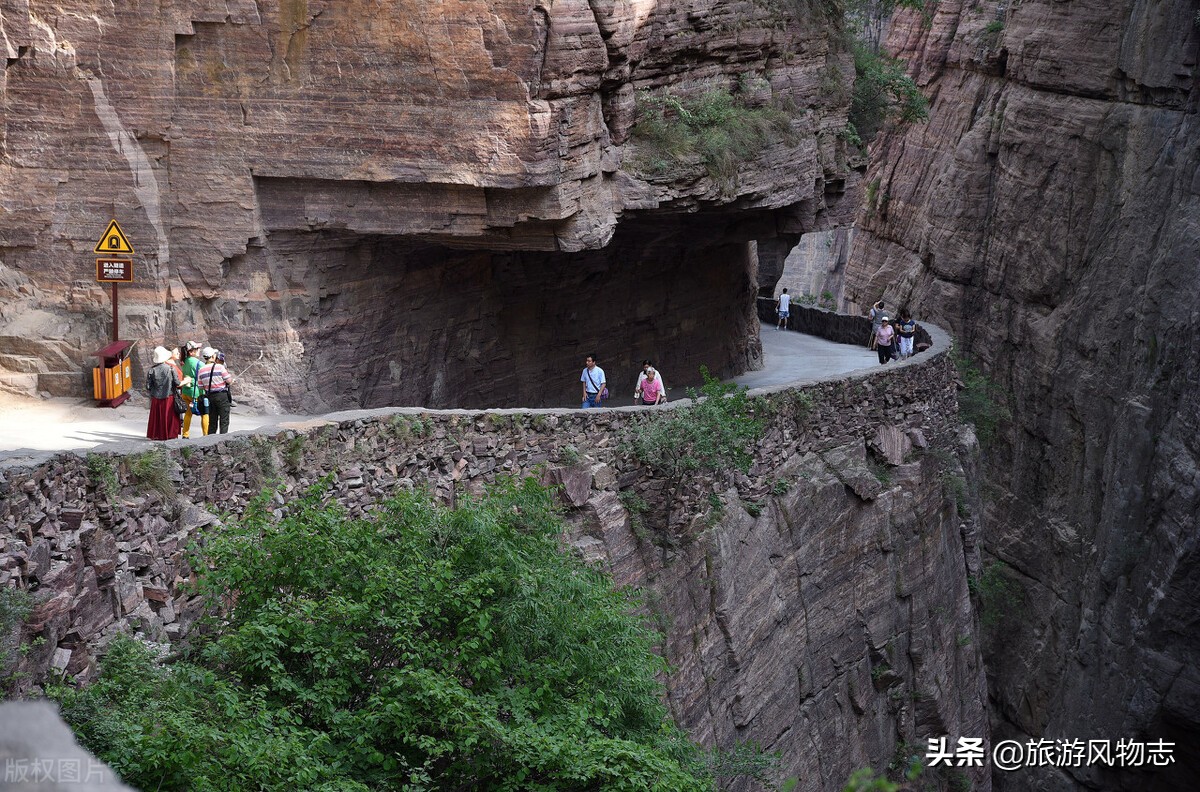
(114, 270)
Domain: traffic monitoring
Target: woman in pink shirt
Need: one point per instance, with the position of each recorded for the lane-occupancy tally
(652, 389)
(883, 340)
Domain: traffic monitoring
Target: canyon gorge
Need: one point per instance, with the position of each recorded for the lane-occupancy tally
(1049, 216)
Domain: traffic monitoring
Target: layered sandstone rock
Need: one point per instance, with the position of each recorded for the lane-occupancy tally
(1049, 213)
(457, 174)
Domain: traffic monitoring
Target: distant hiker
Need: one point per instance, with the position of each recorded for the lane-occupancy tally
(906, 329)
(595, 389)
(214, 381)
(163, 382)
(637, 391)
(192, 394)
(782, 305)
(652, 389)
(876, 313)
(883, 340)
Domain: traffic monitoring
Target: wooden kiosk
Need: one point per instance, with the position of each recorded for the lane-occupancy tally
(113, 378)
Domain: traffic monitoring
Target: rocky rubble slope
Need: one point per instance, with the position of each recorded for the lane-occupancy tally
(406, 207)
(1049, 214)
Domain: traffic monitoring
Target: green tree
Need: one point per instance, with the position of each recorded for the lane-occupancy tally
(417, 648)
(870, 17)
(882, 92)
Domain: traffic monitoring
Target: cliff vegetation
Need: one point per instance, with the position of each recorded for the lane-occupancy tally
(418, 647)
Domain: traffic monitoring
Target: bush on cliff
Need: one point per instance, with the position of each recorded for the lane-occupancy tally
(417, 648)
(981, 402)
(716, 128)
(715, 432)
(883, 92)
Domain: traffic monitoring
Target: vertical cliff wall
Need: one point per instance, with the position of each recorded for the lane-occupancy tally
(287, 168)
(1049, 214)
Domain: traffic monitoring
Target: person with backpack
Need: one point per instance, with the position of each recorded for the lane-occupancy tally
(595, 389)
(162, 382)
(876, 314)
(192, 394)
(906, 329)
(214, 381)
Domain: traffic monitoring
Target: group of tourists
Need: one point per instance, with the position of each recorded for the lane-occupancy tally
(185, 382)
(648, 392)
(892, 340)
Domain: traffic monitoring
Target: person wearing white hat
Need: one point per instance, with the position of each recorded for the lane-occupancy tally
(163, 382)
(214, 381)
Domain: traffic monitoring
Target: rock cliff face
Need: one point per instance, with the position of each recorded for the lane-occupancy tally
(1049, 214)
(404, 206)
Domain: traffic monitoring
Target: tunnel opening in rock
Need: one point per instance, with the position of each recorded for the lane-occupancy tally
(360, 321)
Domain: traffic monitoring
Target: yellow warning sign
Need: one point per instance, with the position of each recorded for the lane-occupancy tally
(114, 241)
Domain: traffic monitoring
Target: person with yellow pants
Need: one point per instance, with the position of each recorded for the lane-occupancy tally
(193, 392)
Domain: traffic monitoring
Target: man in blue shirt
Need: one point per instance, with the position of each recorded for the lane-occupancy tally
(593, 383)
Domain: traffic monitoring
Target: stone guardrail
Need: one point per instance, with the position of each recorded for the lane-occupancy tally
(99, 539)
(832, 326)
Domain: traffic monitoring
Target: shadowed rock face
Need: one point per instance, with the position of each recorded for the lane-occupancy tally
(1049, 213)
(279, 162)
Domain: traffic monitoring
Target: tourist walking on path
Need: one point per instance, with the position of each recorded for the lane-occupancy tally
(594, 386)
(192, 393)
(652, 389)
(906, 329)
(162, 381)
(783, 305)
(214, 381)
(637, 391)
(883, 340)
(876, 313)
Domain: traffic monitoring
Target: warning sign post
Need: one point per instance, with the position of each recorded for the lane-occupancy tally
(112, 379)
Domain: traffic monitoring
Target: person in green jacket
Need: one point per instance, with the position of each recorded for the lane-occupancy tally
(193, 392)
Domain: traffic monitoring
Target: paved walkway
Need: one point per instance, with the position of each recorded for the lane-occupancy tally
(29, 426)
(795, 357)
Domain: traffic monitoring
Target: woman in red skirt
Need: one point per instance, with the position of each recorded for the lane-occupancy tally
(162, 381)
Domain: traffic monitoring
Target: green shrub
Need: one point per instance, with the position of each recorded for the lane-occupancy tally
(716, 129)
(151, 471)
(712, 433)
(882, 92)
(293, 453)
(417, 648)
(997, 594)
(15, 607)
(637, 507)
(980, 400)
(103, 476)
(865, 780)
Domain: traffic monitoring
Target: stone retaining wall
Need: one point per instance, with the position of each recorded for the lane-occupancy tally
(833, 572)
(832, 326)
(100, 539)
